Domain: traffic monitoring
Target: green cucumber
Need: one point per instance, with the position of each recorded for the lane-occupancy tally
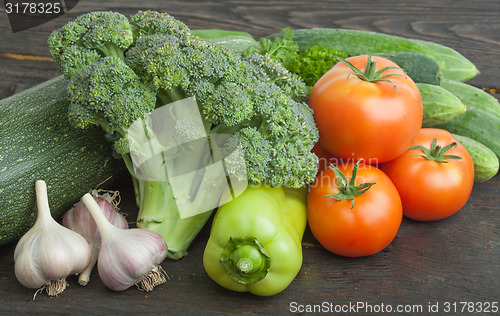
(356, 42)
(418, 67)
(38, 143)
(481, 120)
(237, 42)
(457, 67)
(485, 161)
(439, 105)
(218, 33)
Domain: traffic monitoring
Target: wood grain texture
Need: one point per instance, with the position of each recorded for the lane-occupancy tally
(453, 260)
(471, 27)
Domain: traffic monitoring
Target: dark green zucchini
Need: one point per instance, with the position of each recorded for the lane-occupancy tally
(38, 143)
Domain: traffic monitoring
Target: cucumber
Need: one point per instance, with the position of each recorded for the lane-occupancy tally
(237, 42)
(481, 120)
(439, 105)
(356, 42)
(457, 67)
(485, 161)
(38, 143)
(418, 67)
(218, 33)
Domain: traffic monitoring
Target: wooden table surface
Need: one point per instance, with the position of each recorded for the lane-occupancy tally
(445, 263)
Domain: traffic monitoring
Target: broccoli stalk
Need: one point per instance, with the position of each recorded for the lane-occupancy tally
(251, 107)
(159, 212)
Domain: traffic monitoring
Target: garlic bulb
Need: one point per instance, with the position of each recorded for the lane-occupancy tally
(79, 220)
(127, 256)
(49, 252)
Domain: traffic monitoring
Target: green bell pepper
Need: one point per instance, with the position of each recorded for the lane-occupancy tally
(255, 242)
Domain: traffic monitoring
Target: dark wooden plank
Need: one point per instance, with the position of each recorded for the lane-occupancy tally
(471, 27)
(18, 73)
(447, 261)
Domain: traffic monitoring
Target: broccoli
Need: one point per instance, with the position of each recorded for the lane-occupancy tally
(254, 101)
(108, 93)
(88, 38)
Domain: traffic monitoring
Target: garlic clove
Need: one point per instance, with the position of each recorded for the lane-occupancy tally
(81, 221)
(128, 256)
(49, 252)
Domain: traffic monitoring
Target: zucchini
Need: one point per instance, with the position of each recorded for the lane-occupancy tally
(439, 105)
(485, 161)
(457, 67)
(356, 42)
(38, 143)
(418, 67)
(481, 120)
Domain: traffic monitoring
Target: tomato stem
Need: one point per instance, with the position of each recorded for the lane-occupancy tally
(348, 189)
(436, 152)
(371, 74)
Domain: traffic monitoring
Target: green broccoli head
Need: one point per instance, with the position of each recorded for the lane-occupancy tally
(290, 83)
(254, 98)
(190, 66)
(153, 22)
(144, 59)
(88, 38)
(108, 93)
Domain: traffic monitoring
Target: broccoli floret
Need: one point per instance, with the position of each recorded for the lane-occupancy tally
(88, 38)
(153, 22)
(234, 93)
(290, 84)
(254, 100)
(108, 93)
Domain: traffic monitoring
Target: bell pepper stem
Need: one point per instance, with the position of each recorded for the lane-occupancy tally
(245, 259)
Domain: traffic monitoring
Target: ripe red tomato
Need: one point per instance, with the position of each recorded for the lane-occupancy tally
(432, 190)
(358, 119)
(359, 227)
